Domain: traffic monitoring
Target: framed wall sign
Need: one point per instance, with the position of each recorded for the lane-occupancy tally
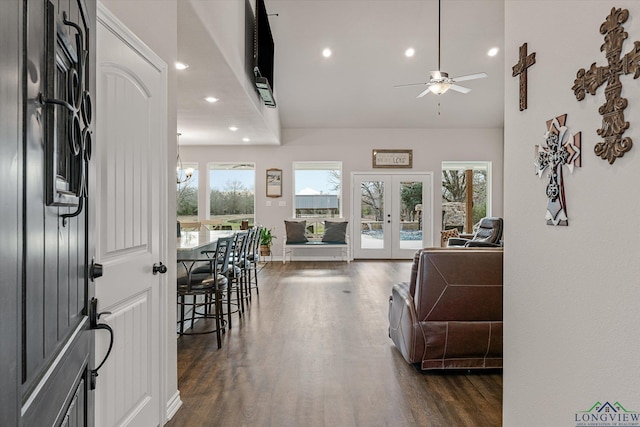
(274, 182)
(392, 158)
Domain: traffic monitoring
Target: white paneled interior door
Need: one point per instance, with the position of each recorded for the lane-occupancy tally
(130, 195)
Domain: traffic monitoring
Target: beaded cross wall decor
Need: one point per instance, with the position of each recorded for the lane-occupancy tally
(560, 148)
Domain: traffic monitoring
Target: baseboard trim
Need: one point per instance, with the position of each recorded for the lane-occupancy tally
(173, 405)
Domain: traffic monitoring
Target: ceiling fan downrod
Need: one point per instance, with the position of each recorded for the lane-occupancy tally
(439, 30)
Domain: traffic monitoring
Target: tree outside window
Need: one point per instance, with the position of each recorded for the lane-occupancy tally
(372, 199)
(187, 194)
(232, 195)
(455, 193)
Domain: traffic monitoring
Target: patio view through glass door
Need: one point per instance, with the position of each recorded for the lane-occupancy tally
(392, 214)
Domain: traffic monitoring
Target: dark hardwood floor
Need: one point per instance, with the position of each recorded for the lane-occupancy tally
(313, 350)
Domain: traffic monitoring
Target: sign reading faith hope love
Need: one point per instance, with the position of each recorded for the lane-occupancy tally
(392, 158)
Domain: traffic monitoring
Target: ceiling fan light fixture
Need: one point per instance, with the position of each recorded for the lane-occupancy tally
(439, 81)
(439, 88)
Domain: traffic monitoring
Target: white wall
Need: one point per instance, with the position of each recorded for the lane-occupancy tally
(570, 293)
(159, 31)
(353, 147)
(224, 21)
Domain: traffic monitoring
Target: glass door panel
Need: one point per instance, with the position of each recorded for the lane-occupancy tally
(372, 230)
(409, 211)
(394, 215)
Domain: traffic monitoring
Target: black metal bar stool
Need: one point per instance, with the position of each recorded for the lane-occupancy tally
(253, 257)
(206, 289)
(236, 273)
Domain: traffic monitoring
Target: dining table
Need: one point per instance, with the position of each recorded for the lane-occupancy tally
(191, 243)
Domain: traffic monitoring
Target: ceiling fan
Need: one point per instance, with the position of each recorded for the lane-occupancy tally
(440, 82)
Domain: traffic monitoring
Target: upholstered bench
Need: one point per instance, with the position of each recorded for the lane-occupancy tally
(300, 234)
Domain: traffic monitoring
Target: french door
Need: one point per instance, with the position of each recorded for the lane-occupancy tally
(392, 214)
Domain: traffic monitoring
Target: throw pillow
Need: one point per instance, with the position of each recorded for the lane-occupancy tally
(446, 235)
(335, 232)
(295, 231)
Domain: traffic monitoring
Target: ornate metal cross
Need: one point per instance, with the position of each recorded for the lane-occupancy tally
(520, 69)
(612, 111)
(561, 148)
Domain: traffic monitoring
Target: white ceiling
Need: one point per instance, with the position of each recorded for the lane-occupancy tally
(354, 87)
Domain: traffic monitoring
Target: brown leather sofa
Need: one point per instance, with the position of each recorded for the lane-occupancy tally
(449, 315)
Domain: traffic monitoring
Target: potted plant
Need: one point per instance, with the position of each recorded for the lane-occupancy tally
(266, 238)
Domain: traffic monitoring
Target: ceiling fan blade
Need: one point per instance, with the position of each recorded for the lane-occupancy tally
(423, 93)
(410, 84)
(470, 77)
(460, 89)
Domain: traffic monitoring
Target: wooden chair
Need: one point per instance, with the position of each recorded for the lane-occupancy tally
(210, 224)
(190, 225)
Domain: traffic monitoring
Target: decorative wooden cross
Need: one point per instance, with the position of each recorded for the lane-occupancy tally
(612, 111)
(520, 69)
(561, 148)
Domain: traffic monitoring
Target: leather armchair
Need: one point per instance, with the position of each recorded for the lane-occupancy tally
(449, 315)
(489, 234)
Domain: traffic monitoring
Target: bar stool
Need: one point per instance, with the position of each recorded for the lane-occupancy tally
(237, 272)
(253, 257)
(223, 256)
(206, 289)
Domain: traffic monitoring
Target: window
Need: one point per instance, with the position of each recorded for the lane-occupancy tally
(187, 197)
(456, 192)
(318, 187)
(232, 196)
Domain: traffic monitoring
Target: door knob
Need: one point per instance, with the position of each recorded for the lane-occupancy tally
(159, 268)
(95, 271)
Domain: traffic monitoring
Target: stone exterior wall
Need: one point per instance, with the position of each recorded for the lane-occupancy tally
(453, 215)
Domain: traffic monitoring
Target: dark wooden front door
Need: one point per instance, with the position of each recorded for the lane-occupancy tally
(46, 130)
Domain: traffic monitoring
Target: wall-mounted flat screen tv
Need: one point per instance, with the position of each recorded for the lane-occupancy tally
(264, 47)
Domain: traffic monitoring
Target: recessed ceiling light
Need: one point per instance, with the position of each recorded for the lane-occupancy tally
(181, 66)
(493, 51)
(326, 52)
(245, 139)
(409, 52)
(233, 128)
(211, 99)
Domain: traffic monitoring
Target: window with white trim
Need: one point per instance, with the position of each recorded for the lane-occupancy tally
(463, 182)
(318, 189)
(232, 194)
(187, 192)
